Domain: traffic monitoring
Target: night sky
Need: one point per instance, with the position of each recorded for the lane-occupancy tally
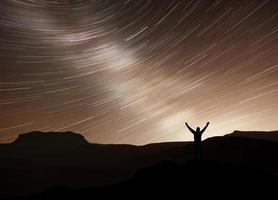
(133, 71)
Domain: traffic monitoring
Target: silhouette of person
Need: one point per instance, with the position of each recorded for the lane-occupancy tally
(197, 140)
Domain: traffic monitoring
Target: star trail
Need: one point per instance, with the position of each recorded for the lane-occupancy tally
(133, 71)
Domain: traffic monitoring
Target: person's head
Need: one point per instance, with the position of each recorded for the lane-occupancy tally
(198, 129)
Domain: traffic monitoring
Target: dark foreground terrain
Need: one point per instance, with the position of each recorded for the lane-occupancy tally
(65, 166)
(195, 179)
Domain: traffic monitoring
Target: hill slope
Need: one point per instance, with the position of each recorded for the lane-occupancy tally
(265, 135)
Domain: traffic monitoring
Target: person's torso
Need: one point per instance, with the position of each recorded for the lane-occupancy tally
(197, 137)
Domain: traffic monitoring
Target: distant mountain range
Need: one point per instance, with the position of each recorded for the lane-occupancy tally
(38, 161)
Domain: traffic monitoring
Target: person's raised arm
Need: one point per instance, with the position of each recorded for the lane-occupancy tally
(192, 131)
(203, 130)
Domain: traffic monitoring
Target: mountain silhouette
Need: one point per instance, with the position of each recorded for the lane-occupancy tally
(51, 138)
(265, 135)
(37, 161)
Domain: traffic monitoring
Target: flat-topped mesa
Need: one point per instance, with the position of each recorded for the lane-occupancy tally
(53, 138)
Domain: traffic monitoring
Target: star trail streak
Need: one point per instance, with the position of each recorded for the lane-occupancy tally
(133, 71)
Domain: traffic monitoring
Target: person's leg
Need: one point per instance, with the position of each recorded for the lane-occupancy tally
(201, 150)
(196, 150)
